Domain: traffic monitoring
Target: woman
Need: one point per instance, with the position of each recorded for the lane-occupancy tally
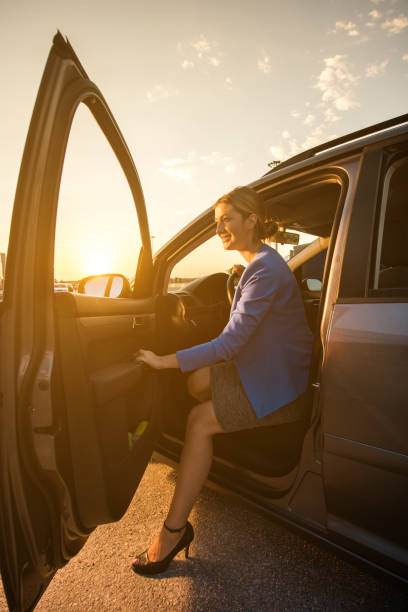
(253, 374)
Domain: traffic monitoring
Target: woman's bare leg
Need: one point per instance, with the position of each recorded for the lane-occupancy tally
(195, 462)
(194, 465)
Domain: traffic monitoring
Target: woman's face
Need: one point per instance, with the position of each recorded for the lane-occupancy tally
(235, 231)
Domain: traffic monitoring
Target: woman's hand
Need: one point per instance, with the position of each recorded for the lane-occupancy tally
(157, 362)
(149, 358)
(238, 270)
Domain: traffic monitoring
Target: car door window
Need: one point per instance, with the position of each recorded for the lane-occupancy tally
(391, 254)
(97, 227)
(208, 258)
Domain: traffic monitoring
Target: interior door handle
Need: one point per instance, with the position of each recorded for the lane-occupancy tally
(137, 322)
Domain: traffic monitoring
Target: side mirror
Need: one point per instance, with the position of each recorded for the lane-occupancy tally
(312, 284)
(105, 285)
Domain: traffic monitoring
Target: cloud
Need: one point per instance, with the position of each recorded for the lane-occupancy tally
(348, 27)
(202, 46)
(405, 57)
(180, 174)
(179, 161)
(211, 158)
(184, 169)
(228, 83)
(264, 64)
(187, 64)
(377, 69)
(279, 153)
(309, 119)
(374, 14)
(346, 102)
(293, 147)
(229, 166)
(316, 137)
(215, 158)
(289, 148)
(179, 168)
(295, 114)
(159, 92)
(330, 116)
(396, 25)
(337, 83)
(207, 51)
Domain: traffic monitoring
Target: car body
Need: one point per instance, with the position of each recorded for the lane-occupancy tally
(80, 419)
(63, 287)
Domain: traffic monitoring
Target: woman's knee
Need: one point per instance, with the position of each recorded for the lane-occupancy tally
(202, 420)
(198, 384)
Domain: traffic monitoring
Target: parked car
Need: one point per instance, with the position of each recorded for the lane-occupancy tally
(63, 287)
(80, 418)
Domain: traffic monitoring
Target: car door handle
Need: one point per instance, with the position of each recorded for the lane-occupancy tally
(316, 385)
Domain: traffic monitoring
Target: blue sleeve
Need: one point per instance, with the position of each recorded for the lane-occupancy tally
(257, 294)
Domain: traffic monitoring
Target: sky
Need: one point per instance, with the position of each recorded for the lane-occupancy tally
(206, 93)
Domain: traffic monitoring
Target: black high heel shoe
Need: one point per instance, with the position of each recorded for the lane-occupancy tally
(142, 563)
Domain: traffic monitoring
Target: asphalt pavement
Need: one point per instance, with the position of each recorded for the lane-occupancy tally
(240, 561)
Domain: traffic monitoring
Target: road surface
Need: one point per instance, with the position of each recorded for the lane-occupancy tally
(240, 561)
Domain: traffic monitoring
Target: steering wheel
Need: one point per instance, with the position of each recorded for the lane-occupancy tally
(232, 281)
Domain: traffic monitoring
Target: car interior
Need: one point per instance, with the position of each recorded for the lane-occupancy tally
(258, 458)
(116, 408)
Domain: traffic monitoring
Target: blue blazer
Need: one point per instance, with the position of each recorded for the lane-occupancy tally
(267, 335)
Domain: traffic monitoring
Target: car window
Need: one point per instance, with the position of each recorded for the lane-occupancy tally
(210, 258)
(206, 259)
(288, 251)
(391, 253)
(312, 270)
(97, 228)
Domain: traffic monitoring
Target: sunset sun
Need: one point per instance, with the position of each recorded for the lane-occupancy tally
(97, 262)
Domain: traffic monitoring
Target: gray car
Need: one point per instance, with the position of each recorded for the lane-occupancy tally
(80, 419)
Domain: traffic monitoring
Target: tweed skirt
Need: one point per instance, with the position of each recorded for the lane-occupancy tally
(233, 409)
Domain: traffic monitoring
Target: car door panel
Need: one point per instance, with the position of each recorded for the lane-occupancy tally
(365, 421)
(107, 395)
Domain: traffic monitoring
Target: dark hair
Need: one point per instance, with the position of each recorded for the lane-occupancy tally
(246, 201)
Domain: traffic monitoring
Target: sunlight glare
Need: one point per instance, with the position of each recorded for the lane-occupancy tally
(98, 262)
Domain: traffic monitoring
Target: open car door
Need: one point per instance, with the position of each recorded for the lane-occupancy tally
(79, 417)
